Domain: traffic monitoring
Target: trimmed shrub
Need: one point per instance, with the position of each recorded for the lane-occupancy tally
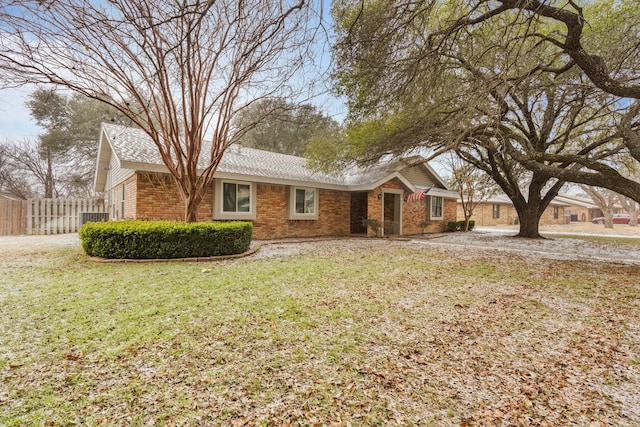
(164, 239)
(459, 225)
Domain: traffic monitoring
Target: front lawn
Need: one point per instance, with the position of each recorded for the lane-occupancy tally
(359, 332)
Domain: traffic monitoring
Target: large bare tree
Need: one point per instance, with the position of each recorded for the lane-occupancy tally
(180, 70)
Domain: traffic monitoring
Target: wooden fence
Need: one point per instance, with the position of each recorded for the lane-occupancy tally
(45, 216)
(13, 217)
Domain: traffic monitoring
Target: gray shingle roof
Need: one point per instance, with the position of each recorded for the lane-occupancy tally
(134, 146)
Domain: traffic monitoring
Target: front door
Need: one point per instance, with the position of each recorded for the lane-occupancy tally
(359, 212)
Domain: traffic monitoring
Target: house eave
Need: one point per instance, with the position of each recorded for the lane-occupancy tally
(146, 167)
(379, 182)
(441, 192)
(105, 151)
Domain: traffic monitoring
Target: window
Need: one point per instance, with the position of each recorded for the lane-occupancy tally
(556, 212)
(236, 197)
(122, 203)
(303, 203)
(234, 200)
(436, 207)
(496, 211)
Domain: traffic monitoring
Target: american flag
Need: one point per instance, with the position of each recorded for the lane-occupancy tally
(418, 195)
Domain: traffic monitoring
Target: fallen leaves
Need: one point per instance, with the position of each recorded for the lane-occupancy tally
(390, 334)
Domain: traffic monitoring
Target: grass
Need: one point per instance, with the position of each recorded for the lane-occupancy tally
(631, 241)
(366, 333)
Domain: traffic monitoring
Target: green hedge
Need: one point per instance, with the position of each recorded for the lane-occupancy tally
(164, 239)
(459, 225)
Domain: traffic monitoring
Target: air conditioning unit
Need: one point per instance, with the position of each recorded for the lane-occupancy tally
(92, 217)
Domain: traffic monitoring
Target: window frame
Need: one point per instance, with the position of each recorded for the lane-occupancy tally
(122, 201)
(293, 215)
(431, 207)
(218, 201)
(556, 212)
(495, 211)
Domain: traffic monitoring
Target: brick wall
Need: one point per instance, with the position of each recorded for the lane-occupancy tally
(483, 215)
(583, 214)
(449, 211)
(374, 208)
(155, 196)
(418, 211)
(413, 213)
(158, 198)
(272, 214)
(548, 217)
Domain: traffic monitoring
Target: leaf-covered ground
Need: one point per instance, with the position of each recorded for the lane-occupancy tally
(350, 332)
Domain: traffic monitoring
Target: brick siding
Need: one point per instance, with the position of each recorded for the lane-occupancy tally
(413, 213)
(272, 215)
(154, 196)
(483, 215)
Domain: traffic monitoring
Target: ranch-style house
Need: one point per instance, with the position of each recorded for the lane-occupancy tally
(278, 193)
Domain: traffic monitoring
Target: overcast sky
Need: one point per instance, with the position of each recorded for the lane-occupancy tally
(17, 125)
(15, 122)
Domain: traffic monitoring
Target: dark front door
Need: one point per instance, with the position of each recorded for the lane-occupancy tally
(359, 211)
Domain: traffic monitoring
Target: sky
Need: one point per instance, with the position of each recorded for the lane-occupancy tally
(16, 124)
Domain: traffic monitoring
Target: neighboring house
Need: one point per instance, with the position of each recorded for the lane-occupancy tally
(277, 192)
(581, 209)
(499, 210)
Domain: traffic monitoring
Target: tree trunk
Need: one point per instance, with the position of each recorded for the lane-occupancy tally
(191, 208)
(48, 181)
(630, 206)
(191, 194)
(529, 225)
(608, 219)
(529, 213)
(530, 210)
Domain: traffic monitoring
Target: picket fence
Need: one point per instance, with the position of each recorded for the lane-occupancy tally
(45, 216)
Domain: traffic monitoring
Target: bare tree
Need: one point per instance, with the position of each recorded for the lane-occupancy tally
(181, 71)
(606, 201)
(472, 184)
(14, 181)
(32, 163)
(631, 206)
